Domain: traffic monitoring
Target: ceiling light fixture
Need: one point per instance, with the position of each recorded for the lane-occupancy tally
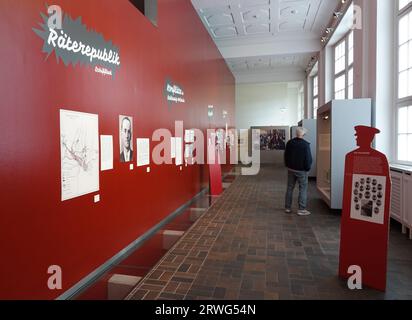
(312, 63)
(336, 18)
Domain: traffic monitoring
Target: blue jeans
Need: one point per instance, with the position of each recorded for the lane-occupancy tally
(302, 179)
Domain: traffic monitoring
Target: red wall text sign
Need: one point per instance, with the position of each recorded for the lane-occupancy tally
(365, 213)
(74, 43)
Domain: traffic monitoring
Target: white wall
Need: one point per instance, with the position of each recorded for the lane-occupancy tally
(281, 74)
(267, 104)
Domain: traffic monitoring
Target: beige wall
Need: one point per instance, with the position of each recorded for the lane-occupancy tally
(267, 104)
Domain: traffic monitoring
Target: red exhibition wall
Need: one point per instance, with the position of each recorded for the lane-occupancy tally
(37, 229)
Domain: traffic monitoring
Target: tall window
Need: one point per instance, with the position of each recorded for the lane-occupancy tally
(403, 3)
(404, 82)
(343, 71)
(315, 95)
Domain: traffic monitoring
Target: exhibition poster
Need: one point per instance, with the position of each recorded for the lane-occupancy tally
(79, 145)
(106, 153)
(173, 147)
(189, 136)
(179, 151)
(368, 198)
(189, 149)
(143, 152)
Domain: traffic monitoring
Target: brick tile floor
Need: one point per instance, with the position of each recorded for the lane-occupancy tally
(246, 247)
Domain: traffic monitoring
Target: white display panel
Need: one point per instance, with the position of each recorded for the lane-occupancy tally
(173, 147)
(106, 153)
(336, 138)
(368, 198)
(220, 137)
(143, 152)
(232, 139)
(189, 136)
(79, 145)
(179, 151)
(189, 150)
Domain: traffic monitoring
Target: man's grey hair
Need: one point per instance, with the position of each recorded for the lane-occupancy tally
(123, 120)
(300, 132)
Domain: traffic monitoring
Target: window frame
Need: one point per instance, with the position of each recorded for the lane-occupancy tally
(348, 66)
(398, 9)
(312, 79)
(302, 110)
(399, 102)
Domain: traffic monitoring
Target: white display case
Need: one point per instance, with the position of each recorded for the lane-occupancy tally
(336, 137)
(312, 137)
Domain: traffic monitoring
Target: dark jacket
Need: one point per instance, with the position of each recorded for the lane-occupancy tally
(297, 155)
(123, 159)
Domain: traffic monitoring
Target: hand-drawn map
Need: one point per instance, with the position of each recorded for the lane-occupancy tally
(79, 144)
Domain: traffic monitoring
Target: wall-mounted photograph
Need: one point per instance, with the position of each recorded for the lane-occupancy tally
(271, 142)
(126, 138)
(272, 139)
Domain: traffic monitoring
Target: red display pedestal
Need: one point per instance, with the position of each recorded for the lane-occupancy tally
(215, 173)
(365, 213)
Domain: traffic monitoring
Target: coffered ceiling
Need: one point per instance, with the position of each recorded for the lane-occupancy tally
(271, 38)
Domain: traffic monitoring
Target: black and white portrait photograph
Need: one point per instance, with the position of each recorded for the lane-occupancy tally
(126, 138)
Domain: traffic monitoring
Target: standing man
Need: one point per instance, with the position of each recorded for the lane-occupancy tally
(126, 154)
(298, 160)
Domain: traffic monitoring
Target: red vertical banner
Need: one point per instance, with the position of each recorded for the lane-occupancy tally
(215, 168)
(365, 213)
(215, 172)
